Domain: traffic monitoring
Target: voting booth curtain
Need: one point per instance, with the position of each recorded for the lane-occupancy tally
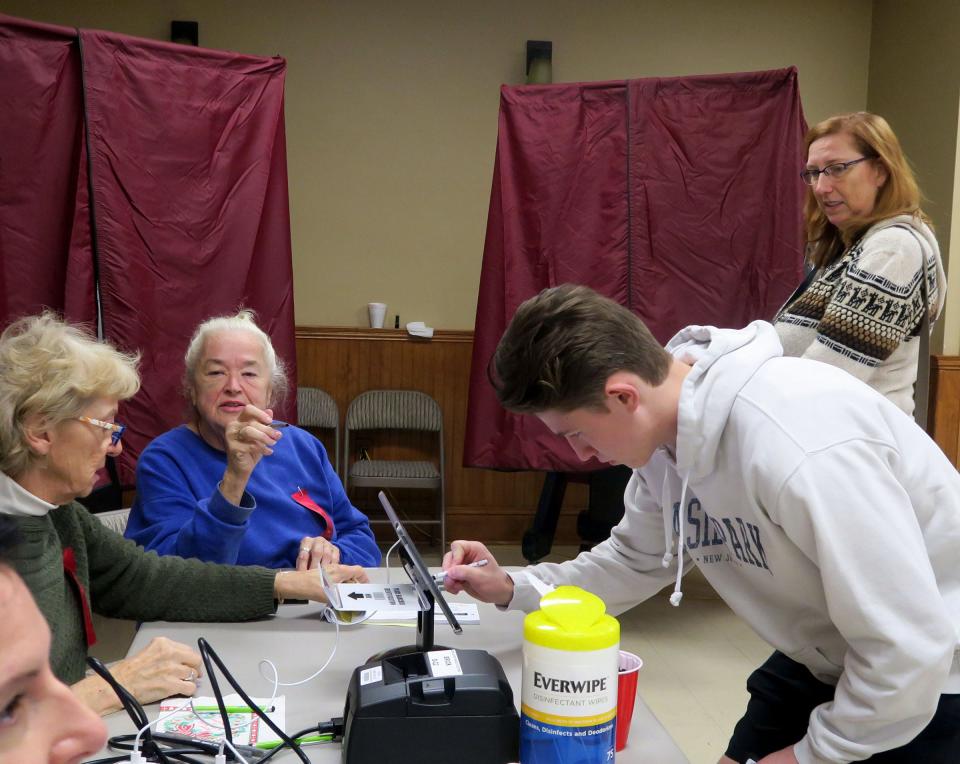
(679, 198)
(143, 188)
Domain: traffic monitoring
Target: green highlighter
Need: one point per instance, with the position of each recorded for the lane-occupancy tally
(300, 740)
(231, 709)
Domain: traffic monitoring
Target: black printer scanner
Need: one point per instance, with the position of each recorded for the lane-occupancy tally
(398, 712)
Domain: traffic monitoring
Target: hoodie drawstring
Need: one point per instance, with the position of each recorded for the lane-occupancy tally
(677, 595)
(667, 526)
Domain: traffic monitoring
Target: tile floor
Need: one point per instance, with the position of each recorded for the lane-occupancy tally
(696, 658)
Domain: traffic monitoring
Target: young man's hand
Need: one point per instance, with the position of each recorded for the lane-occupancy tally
(489, 583)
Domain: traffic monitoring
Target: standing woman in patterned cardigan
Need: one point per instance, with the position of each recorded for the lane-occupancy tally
(860, 309)
(868, 241)
(59, 392)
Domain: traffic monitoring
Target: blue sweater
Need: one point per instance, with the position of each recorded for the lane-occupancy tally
(179, 508)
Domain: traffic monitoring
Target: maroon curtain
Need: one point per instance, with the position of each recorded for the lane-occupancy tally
(678, 197)
(40, 137)
(187, 176)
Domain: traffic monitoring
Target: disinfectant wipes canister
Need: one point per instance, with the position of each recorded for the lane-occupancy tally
(569, 696)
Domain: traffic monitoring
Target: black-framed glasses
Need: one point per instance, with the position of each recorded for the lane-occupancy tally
(116, 430)
(811, 175)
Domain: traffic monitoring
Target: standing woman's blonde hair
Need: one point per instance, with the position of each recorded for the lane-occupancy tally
(899, 195)
(53, 369)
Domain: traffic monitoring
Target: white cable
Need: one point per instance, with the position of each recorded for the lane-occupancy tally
(221, 757)
(387, 560)
(135, 756)
(276, 675)
(233, 730)
(276, 679)
(277, 684)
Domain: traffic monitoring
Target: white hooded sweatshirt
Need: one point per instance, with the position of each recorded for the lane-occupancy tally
(821, 514)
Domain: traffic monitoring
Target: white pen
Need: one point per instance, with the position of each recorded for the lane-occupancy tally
(439, 577)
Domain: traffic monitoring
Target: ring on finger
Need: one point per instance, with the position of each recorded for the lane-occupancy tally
(191, 676)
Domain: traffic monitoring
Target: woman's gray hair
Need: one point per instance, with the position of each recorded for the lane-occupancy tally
(53, 370)
(244, 321)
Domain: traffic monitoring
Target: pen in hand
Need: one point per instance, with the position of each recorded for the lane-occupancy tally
(438, 578)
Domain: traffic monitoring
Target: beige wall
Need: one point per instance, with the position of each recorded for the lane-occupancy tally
(392, 111)
(914, 83)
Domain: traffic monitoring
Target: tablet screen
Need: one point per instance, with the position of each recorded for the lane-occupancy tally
(417, 570)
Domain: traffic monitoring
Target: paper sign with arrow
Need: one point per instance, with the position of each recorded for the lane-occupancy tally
(366, 597)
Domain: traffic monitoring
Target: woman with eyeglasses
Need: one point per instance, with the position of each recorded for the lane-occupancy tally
(59, 393)
(860, 309)
(868, 245)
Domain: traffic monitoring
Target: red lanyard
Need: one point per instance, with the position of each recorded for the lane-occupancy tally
(70, 566)
(303, 499)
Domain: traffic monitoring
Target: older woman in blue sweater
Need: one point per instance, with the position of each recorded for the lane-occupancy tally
(230, 487)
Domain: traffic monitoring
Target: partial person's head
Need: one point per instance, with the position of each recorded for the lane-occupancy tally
(41, 721)
(591, 371)
(59, 393)
(230, 363)
(857, 175)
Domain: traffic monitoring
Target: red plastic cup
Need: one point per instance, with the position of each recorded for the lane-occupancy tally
(627, 675)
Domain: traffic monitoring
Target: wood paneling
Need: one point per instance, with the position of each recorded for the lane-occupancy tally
(483, 504)
(945, 402)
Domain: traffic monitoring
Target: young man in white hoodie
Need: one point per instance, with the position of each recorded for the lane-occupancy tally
(817, 509)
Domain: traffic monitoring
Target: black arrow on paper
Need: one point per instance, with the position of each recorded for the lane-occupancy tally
(355, 596)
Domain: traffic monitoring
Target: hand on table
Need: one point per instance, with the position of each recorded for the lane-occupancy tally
(316, 551)
(163, 668)
(307, 584)
(487, 584)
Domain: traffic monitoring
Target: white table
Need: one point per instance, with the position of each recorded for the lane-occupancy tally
(298, 641)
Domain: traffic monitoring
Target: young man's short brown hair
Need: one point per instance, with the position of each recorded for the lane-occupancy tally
(563, 345)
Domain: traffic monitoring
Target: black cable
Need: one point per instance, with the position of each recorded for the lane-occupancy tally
(181, 751)
(205, 651)
(212, 676)
(125, 743)
(182, 754)
(130, 704)
(150, 746)
(150, 743)
(133, 708)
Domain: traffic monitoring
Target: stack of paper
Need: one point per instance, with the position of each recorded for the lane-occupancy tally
(465, 612)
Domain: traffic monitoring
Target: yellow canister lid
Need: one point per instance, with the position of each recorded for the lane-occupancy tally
(571, 618)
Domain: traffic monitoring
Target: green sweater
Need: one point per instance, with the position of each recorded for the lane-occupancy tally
(123, 581)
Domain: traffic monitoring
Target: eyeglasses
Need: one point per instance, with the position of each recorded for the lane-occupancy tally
(811, 175)
(116, 430)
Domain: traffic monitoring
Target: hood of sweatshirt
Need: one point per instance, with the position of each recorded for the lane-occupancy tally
(705, 403)
(706, 399)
